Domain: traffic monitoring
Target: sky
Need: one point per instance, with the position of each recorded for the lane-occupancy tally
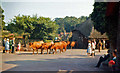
(47, 8)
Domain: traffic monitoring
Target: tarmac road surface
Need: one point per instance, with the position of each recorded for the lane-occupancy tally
(71, 60)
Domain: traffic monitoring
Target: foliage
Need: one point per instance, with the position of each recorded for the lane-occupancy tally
(5, 33)
(47, 41)
(98, 16)
(105, 23)
(2, 18)
(67, 24)
(38, 27)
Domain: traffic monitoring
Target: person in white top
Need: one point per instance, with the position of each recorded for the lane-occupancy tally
(93, 49)
(103, 44)
(19, 46)
(89, 50)
(7, 45)
(95, 43)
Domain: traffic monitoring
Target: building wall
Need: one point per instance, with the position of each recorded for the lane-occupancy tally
(81, 40)
(118, 42)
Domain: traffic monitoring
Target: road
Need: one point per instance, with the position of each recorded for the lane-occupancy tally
(71, 60)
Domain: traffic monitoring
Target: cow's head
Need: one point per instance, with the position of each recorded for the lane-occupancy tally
(68, 42)
(30, 43)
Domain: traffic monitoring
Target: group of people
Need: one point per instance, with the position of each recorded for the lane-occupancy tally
(9, 45)
(106, 60)
(91, 48)
(92, 45)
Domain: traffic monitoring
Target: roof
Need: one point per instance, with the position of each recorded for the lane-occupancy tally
(95, 34)
(78, 32)
(87, 29)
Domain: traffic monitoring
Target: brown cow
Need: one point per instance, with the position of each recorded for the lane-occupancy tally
(36, 45)
(57, 45)
(72, 44)
(68, 42)
(46, 46)
(65, 44)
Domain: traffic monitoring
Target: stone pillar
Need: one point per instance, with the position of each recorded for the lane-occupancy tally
(118, 42)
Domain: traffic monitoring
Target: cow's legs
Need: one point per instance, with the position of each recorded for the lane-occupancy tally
(65, 48)
(37, 51)
(47, 51)
(33, 51)
(60, 50)
(71, 47)
(51, 50)
(55, 51)
(41, 51)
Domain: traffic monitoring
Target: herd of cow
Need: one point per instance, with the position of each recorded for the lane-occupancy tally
(62, 46)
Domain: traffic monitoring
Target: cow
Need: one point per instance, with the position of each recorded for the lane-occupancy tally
(72, 44)
(36, 46)
(57, 45)
(65, 44)
(46, 46)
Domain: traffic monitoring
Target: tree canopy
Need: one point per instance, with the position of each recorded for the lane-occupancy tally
(2, 19)
(41, 27)
(38, 27)
(105, 23)
(67, 24)
(98, 16)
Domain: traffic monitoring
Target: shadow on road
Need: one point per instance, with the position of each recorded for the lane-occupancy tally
(60, 64)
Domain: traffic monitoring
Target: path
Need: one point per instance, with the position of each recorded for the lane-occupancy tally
(71, 60)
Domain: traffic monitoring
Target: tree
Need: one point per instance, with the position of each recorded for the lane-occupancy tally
(45, 28)
(102, 23)
(2, 18)
(67, 24)
(98, 16)
(20, 24)
(37, 27)
(105, 17)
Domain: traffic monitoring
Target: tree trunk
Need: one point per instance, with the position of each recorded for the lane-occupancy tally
(118, 42)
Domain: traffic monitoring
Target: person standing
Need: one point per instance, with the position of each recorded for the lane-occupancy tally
(103, 44)
(4, 41)
(7, 46)
(95, 43)
(13, 44)
(89, 50)
(93, 49)
(19, 46)
(100, 45)
(56, 38)
(10, 45)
